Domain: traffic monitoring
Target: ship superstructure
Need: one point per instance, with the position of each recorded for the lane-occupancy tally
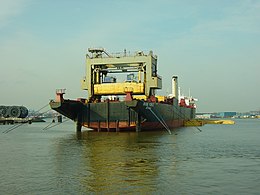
(142, 78)
(122, 95)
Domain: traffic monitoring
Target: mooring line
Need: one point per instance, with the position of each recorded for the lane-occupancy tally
(49, 127)
(12, 128)
(183, 116)
(161, 121)
(18, 125)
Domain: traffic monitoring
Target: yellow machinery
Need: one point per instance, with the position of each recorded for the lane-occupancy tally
(141, 70)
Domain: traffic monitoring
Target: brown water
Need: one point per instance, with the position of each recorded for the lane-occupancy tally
(222, 159)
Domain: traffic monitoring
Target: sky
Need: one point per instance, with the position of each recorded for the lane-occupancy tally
(212, 46)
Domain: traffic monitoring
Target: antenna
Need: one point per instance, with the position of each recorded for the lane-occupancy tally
(97, 52)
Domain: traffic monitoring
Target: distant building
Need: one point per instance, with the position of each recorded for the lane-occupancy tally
(225, 114)
(254, 112)
(203, 115)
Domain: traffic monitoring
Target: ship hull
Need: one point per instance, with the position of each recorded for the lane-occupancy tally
(135, 115)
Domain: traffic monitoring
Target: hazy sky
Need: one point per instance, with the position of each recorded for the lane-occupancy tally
(213, 46)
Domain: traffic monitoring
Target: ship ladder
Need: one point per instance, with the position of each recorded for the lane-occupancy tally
(160, 120)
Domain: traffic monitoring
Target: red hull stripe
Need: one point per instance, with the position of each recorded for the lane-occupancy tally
(124, 126)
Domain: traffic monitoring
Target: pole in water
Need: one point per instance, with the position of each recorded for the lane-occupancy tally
(59, 118)
(79, 122)
(78, 126)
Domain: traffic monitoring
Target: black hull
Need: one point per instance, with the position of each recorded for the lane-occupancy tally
(133, 115)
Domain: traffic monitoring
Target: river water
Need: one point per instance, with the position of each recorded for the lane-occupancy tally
(222, 159)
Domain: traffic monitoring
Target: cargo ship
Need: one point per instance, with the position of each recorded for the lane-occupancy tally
(122, 95)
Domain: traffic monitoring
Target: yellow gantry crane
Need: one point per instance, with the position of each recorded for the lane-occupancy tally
(141, 70)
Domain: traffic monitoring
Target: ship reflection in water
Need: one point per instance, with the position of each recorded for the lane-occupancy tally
(117, 162)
